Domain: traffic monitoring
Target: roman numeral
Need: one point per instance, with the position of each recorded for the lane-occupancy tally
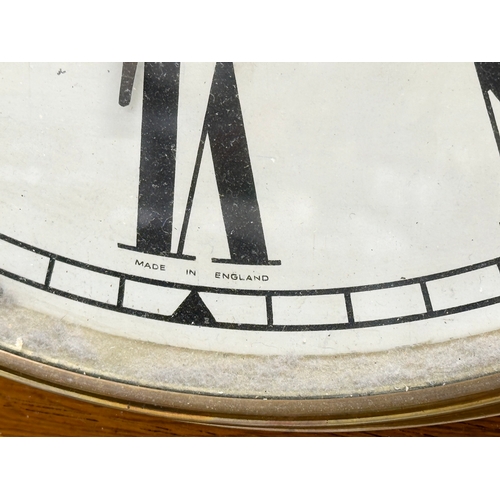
(223, 126)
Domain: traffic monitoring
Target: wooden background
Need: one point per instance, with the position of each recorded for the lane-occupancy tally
(25, 411)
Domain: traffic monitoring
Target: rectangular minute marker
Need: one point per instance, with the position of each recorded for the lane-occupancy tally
(465, 288)
(24, 263)
(151, 298)
(244, 309)
(310, 310)
(85, 283)
(388, 303)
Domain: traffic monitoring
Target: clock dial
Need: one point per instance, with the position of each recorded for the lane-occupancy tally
(255, 207)
(251, 209)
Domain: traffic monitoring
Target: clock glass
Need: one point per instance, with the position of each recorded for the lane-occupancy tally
(182, 226)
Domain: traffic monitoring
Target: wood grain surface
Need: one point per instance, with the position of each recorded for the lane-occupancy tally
(26, 411)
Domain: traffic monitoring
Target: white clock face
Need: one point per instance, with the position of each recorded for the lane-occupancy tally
(254, 208)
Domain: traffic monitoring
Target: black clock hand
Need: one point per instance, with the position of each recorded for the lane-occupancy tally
(127, 83)
(489, 79)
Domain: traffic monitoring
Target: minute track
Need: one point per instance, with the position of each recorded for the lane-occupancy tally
(428, 311)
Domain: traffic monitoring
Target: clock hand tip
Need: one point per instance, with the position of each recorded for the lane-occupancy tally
(127, 83)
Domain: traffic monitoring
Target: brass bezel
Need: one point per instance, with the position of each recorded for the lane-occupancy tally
(465, 400)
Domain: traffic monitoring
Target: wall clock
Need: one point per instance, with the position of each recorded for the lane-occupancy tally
(309, 246)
